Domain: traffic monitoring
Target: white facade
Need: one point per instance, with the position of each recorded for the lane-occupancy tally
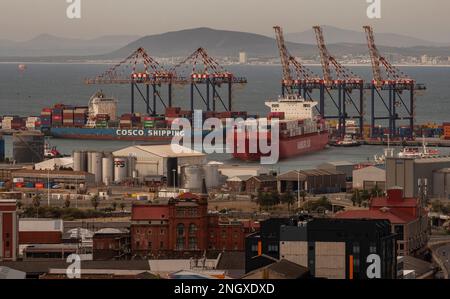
(293, 107)
(370, 173)
(152, 159)
(242, 57)
(99, 104)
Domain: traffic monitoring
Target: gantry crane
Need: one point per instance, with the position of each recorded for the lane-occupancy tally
(297, 79)
(345, 82)
(394, 82)
(200, 68)
(139, 69)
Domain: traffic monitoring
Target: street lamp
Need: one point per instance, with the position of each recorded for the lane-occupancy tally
(174, 178)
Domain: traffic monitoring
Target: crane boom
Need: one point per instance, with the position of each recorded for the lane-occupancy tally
(374, 55)
(284, 55)
(324, 55)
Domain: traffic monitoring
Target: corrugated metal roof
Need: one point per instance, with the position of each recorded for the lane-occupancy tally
(41, 225)
(165, 151)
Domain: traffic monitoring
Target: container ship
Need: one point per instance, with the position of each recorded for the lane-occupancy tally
(99, 121)
(301, 131)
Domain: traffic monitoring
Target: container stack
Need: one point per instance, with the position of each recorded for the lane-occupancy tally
(101, 120)
(68, 117)
(12, 123)
(80, 116)
(57, 116)
(33, 123)
(46, 118)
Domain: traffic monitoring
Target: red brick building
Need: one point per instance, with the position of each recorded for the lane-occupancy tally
(182, 227)
(8, 230)
(408, 218)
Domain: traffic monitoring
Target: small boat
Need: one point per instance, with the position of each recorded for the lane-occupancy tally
(418, 152)
(51, 152)
(347, 141)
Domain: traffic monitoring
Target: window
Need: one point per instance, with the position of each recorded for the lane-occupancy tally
(192, 243)
(180, 229)
(373, 248)
(162, 232)
(356, 248)
(272, 248)
(398, 229)
(149, 245)
(356, 265)
(192, 229)
(161, 245)
(254, 247)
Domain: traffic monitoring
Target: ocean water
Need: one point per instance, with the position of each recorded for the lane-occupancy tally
(41, 85)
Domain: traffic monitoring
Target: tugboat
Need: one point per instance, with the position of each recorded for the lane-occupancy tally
(51, 152)
(347, 141)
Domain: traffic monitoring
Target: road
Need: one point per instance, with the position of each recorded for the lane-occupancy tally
(443, 254)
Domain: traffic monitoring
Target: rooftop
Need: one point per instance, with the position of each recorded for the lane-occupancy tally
(165, 151)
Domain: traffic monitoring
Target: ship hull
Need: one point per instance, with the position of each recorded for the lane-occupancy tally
(159, 135)
(288, 147)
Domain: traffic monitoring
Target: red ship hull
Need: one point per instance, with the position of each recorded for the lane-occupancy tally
(288, 147)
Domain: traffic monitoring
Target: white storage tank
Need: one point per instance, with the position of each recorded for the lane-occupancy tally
(107, 169)
(79, 161)
(120, 169)
(192, 177)
(212, 175)
(96, 160)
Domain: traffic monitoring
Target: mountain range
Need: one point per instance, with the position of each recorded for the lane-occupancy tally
(219, 43)
(334, 35)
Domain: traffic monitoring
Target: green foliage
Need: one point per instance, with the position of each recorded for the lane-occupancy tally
(63, 213)
(266, 200)
(438, 207)
(321, 204)
(95, 201)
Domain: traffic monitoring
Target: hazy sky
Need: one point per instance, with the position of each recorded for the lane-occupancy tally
(24, 19)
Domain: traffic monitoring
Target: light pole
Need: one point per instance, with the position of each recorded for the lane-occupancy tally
(298, 189)
(174, 178)
(48, 187)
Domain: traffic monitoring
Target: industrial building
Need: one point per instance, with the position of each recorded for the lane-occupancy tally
(441, 183)
(415, 176)
(111, 244)
(39, 231)
(9, 230)
(265, 183)
(339, 166)
(28, 147)
(407, 216)
(61, 179)
(329, 248)
(366, 178)
(316, 181)
(232, 170)
(55, 164)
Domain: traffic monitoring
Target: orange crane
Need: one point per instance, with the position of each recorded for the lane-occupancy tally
(394, 82)
(343, 81)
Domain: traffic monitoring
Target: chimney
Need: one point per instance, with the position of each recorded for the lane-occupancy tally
(395, 194)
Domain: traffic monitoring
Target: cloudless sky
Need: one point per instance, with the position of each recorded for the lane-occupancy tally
(24, 19)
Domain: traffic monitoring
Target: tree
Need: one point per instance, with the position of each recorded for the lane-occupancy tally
(288, 198)
(356, 197)
(67, 203)
(376, 191)
(19, 204)
(122, 206)
(303, 195)
(114, 205)
(36, 202)
(95, 201)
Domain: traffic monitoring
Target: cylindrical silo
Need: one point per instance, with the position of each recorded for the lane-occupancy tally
(97, 166)
(212, 175)
(120, 169)
(89, 163)
(107, 169)
(79, 161)
(28, 147)
(131, 165)
(192, 177)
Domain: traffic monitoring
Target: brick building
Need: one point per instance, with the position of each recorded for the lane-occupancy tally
(110, 244)
(182, 227)
(8, 230)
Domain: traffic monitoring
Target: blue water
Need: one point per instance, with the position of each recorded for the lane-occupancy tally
(42, 85)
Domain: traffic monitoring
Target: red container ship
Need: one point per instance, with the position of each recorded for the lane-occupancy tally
(301, 130)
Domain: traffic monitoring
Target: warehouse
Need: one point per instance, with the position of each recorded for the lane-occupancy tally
(56, 163)
(151, 160)
(339, 166)
(409, 173)
(316, 181)
(230, 170)
(61, 179)
(368, 177)
(39, 231)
